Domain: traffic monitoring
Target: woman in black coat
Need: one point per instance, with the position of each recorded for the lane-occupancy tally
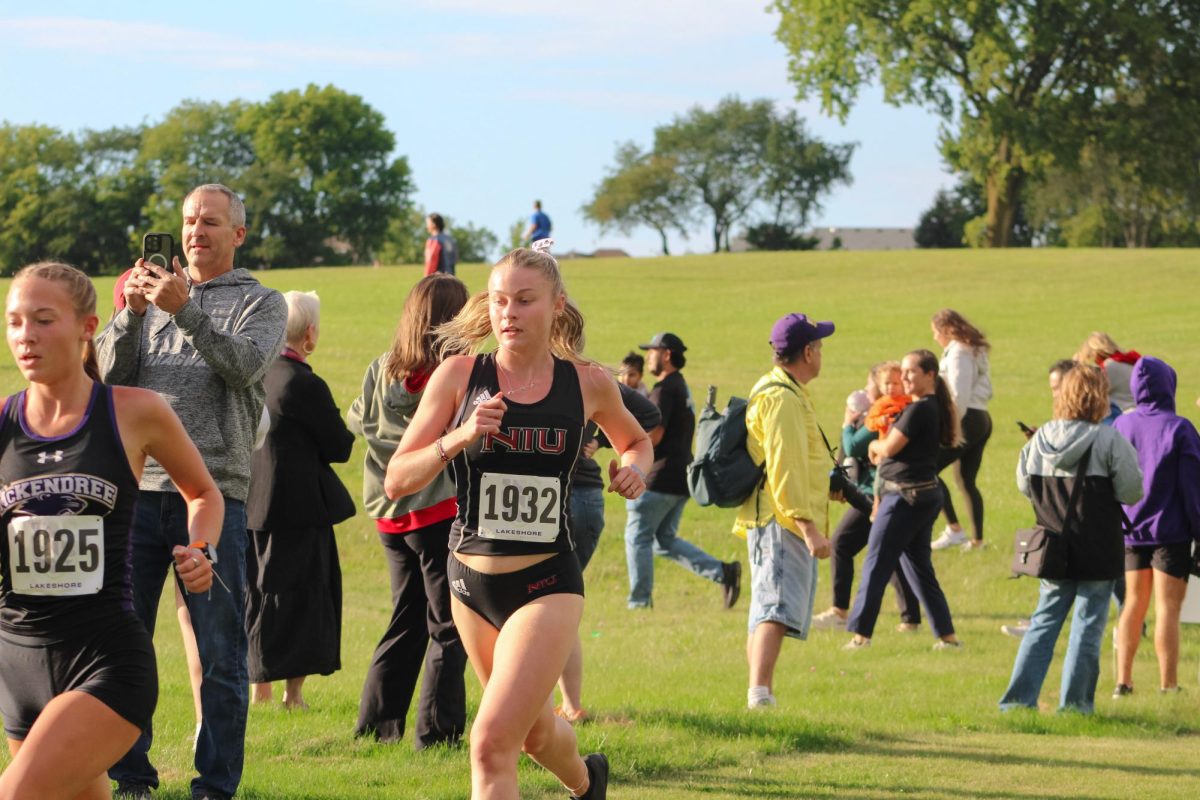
(294, 597)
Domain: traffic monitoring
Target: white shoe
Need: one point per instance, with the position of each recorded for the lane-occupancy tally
(1016, 631)
(759, 697)
(829, 620)
(949, 538)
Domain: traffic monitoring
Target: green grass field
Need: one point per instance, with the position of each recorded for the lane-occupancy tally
(667, 688)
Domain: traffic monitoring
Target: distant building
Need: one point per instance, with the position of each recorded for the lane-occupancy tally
(864, 238)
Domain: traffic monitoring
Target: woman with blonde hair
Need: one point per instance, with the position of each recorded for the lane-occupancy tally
(964, 367)
(78, 680)
(414, 532)
(511, 422)
(1099, 349)
(1074, 457)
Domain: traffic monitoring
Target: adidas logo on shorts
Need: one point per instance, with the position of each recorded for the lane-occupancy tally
(459, 585)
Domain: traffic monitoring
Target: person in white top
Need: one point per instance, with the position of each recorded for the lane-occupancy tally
(964, 366)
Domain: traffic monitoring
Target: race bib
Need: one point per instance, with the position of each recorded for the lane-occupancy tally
(60, 556)
(521, 508)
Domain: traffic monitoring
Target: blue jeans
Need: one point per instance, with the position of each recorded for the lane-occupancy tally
(1081, 667)
(587, 521)
(650, 528)
(218, 618)
(900, 536)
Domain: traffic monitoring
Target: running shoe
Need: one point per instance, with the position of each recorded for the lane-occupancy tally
(759, 697)
(1016, 631)
(597, 767)
(942, 644)
(731, 582)
(1170, 690)
(949, 538)
(908, 627)
(1122, 690)
(829, 620)
(857, 643)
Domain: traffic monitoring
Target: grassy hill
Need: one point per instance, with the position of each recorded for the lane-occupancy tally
(667, 688)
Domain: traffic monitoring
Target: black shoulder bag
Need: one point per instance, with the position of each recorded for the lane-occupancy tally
(1042, 553)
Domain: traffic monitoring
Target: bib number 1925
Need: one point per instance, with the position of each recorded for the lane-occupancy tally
(61, 555)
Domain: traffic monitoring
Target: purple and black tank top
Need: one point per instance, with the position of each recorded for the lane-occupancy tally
(66, 504)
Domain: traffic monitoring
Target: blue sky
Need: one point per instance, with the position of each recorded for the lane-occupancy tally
(493, 103)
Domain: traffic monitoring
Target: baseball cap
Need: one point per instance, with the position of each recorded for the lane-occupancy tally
(667, 341)
(794, 331)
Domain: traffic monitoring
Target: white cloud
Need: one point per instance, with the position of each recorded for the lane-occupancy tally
(145, 42)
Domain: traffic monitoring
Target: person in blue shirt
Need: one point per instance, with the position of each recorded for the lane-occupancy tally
(539, 224)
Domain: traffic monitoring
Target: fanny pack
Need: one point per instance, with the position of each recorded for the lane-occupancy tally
(909, 492)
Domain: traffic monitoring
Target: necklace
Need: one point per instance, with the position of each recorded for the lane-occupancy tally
(511, 380)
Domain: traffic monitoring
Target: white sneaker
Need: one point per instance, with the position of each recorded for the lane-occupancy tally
(759, 697)
(1016, 631)
(949, 538)
(829, 620)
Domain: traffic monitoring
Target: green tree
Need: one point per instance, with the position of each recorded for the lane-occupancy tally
(194, 144)
(798, 170)
(39, 195)
(1018, 83)
(720, 156)
(113, 190)
(475, 243)
(323, 173)
(641, 189)
(516, 233)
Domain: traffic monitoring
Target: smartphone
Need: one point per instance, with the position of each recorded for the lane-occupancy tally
(1025, 429)
(158, 248)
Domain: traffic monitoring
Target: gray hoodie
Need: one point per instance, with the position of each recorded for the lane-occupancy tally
(1058, 445)
(381, 415)
(208, 362)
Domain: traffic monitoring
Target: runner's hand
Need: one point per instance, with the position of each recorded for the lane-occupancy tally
(486, 417)
(625, 481)
(193, 569)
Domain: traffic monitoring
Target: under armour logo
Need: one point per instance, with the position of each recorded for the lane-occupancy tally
(57, 455)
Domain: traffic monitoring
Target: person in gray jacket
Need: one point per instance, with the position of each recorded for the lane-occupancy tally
(415, 533)
(203, 339)
(1074, 446)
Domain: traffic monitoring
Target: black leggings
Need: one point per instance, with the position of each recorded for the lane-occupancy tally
(976, 430)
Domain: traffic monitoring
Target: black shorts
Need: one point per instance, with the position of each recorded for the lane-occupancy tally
(115, 664)
(1173, 559)
(497, 597)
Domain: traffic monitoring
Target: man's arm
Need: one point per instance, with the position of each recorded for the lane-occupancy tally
(242, 357)
(118, 348)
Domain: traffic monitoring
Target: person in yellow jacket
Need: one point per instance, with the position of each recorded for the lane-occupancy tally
(784, 520)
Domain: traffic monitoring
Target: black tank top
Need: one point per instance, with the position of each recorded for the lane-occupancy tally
(514, 486)
(66, 504)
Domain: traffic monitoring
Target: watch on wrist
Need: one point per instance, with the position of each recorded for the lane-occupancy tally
(209, 552)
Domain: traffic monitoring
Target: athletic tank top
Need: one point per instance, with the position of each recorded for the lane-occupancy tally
(514, 486)
(66, 504)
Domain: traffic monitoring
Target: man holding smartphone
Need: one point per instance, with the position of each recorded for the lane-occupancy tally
(202, 338)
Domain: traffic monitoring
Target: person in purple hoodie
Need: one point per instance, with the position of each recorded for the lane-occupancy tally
(1163, 524)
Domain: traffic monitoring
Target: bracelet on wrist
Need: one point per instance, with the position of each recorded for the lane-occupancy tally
(441, 451)
(638, 471)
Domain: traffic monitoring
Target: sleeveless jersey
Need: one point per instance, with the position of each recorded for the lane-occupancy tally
(66, 505)
(514, 486)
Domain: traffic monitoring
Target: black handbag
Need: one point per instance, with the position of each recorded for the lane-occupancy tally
(1039, 552)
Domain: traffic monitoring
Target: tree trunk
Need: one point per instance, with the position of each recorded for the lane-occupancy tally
(662, 233)
(717, 230)
(1003, 194)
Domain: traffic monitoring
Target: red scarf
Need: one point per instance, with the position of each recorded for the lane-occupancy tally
(1128, 357)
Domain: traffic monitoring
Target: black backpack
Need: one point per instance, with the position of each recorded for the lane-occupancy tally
(722, 474)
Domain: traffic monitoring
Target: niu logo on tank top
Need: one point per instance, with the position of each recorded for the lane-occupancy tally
(546, 441)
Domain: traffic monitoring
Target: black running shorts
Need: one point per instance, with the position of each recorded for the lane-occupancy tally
(115, 664)
(1173, 559)
(497, 597)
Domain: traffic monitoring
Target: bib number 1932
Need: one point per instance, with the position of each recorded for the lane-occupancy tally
(519, 507)
(60, 556)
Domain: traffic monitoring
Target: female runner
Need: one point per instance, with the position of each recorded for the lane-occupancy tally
(78, 679)
(510, 421)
